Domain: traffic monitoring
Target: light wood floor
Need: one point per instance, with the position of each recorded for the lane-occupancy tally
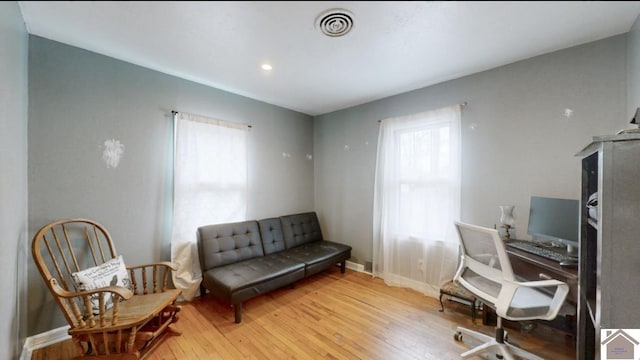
(331, 316)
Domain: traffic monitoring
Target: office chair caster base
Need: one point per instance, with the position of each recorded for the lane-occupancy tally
(501, 350)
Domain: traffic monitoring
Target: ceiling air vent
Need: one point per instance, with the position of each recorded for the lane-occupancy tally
(335, 22)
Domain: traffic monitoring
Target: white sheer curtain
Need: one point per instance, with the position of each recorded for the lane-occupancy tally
(210, 186)
(417, 198)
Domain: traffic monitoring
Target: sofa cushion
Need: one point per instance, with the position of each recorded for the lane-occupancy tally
(223, 244)
(271, 233)
(319, 255)
(249, 278)
(317, 251)
(299, 229)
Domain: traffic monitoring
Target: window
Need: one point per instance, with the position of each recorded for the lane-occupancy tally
(424, 181)
(210, 186)
(417, 198)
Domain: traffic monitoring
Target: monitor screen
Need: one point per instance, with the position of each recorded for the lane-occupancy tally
(555, 220)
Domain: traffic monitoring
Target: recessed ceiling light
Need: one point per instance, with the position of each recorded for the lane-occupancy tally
(266, 67)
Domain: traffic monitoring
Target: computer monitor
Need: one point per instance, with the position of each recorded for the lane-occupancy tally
(555, 220)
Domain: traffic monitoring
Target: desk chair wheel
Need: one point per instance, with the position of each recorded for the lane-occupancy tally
(457, 336)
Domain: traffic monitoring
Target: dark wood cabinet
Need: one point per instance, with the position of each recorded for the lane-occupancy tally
(609, 270)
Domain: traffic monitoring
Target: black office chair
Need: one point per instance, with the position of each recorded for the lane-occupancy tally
(486, 272)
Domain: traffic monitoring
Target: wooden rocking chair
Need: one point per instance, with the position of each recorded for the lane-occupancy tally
(124, 320)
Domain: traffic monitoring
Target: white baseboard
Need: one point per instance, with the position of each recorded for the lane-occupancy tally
(395, 280)
(43, 340)
(356, 267)
(401, 281)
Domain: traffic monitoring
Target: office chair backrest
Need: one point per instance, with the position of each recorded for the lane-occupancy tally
(484, 264)
(485, 270)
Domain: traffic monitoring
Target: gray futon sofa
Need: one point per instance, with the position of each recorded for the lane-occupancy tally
(245, 259)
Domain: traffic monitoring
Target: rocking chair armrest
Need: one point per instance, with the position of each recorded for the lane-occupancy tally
(167, 264)
(120, 290)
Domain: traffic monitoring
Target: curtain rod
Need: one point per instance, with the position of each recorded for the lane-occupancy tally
(462, 106)
(174, 112)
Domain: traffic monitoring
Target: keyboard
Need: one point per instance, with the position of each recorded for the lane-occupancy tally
(540, 250)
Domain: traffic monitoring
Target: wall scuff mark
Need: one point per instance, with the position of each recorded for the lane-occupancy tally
(112, 152)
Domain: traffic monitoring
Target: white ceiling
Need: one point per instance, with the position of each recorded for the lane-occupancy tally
(394, 46)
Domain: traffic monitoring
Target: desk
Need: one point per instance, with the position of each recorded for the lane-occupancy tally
(535, 267)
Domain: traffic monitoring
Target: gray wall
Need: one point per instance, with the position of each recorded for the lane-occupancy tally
(79, 99)
(516, 140)
(13, 178)
(633, 69)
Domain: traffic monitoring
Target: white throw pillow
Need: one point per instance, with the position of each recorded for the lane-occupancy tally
(112, 272)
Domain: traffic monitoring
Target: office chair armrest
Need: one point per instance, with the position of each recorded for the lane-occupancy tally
(540, 283)
(559, 295)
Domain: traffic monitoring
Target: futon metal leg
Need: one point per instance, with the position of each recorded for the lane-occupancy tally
(238, 312)
(203, 290)
(343, 265)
